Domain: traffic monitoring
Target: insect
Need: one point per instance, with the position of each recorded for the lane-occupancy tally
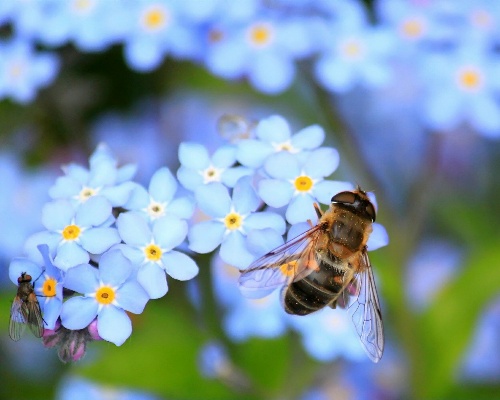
(25, 310)
(327, 265)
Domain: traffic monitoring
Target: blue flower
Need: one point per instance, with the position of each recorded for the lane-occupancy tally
(160, 199)
(329, 334)
(75, 233)
(213, 360)
(198, 168)
(232, 220)
(273, 135)
(355, 56)
(103, 178)
(107, 293)
(151, 250)
(23, 71)
(299, 183)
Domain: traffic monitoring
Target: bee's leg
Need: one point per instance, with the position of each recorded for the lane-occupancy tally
(319, 213)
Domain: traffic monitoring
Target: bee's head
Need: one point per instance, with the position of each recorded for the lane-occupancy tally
(357, 201)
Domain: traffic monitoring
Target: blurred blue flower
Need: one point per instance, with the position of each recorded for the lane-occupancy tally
(23, 70)
(155, 28)
(107, 293)
(76, 388)
(462, 87)
(27, 193)
(351, 57)
(75, 233)
(103, 178)
(273, 135)
(198, 168)
(329, 334)
(213, 360)
(232, 220)
(151, 250)
(299, 183)
(160, 199)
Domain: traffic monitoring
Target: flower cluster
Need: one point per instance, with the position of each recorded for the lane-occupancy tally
(109, 243)
(450, 49)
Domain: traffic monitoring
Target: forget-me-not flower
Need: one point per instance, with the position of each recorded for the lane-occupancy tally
(151, 250)
(232, 219)
(297, 183)
(107, 293)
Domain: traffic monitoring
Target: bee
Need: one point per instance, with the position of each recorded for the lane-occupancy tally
(25, 310)
(327, 265)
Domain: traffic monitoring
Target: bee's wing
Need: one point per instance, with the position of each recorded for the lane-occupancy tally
(289, 262)
(18, 320)
(364, 308)
(35, 320)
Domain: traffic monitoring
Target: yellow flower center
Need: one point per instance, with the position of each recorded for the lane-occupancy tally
(153, 252)
(49, 287)
(303, 183)
(481, 19)
(86, 193)
(212, 174)
(261, 34)
(288, 269)
(352, 49)
(412, 28)
(105, 295)
(71, 232)
(233, 221)
(470, 79)
(215, 35)
(16, 70)
(83, 6)
(155, 18)
(156, 210)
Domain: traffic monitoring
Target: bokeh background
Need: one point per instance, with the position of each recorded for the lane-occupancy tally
(407, 91)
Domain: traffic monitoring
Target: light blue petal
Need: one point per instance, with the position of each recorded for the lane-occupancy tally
(153, 279)
(51, 311)
(57, 214)
(82, 279)
(134, 254)
(93, 212)
(309, 138)
(231, 175)
(205, 236)
(133, 229)
(321, 162)
(282, 165)
(114, 268)
(213, 199)
(275, 193)
(98, 240)
(378, 238)
(113, 325)
(262, 241)
(45, 237)
(179, 266)
(163, 185)
(301, 209)
(118, 195)
(274, 129)
(271, 72)
(265, 219)
(132, 297)
(64, 188)
(224, 157)
(126, 172)
(324, 191)
(334, 74)
(245, 198)
(193, 155)
(70, 254)
(183, 207)
(139, 198)
(189, 178)
(443, 109)
(78, 312)
(234, 251)
(77, 172)
(19, 265)
(169, 231)
(252, 153)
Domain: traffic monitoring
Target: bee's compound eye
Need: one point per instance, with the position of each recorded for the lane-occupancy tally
(370, 210)
(344, 197)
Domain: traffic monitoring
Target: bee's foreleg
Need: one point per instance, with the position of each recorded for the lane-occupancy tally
(319, 213)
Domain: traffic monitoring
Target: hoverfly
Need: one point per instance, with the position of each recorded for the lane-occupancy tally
(25, 310)
(327, 265)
